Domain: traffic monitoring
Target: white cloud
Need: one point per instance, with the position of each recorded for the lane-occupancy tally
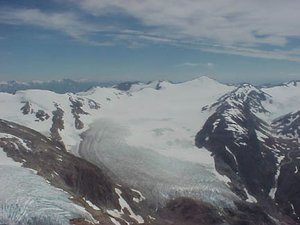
(228, 26)
(192, 64)
(210, 64)
(189, 64)
(249, 22)
(289, 55)
(65, 22)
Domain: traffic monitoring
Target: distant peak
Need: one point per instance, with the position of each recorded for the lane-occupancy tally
(246, 85)
(245, 93)
(155, 84)
(294, 83)
(244, 90)
(205, 79)
(247, 88)
(202, 80)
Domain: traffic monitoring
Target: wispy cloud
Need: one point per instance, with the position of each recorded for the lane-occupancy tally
(64, 22)
(189, 64)
(227, 27)
(210, 64)
(289, 55)
(229, 21)
(192, 64)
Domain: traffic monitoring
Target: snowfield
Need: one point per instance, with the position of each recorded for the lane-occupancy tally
(285, 99)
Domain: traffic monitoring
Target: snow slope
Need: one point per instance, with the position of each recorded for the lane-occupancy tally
(285, 99)
(166, 120)
(48, 102)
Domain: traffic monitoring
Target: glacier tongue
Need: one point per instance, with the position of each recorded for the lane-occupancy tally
(28, 199)
(158, 176)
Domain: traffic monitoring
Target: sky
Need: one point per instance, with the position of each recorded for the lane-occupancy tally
(256, 41)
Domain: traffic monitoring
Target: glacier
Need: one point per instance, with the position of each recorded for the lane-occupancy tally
(159, 177)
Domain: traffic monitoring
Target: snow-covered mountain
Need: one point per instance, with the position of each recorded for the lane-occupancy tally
(198, 152)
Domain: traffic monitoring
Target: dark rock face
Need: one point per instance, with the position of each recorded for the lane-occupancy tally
(26, 109)
(288, 185)
(57, 124)
(230, 134)
(288, 193)
(158, 86)
(247, 151)
(125, 86)
(80, 221)
(41, 115)
(187, 211)
(77, 110)
(93, 104)
(248, 214)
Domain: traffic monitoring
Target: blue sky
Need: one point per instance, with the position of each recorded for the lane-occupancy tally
(116, 40)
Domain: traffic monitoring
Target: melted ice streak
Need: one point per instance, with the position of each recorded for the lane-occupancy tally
(158, 176)
(250, 198)
(141, 196)
(26, 198)
(124, 205)
(91, 204)
(19, 140)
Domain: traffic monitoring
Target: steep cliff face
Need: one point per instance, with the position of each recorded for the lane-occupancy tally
(232, 134)
(251, 151)
(287, 127)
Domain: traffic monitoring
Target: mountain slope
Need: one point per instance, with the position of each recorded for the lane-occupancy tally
(85, 183)
(249, 149)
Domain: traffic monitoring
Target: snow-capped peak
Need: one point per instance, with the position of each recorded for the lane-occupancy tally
(202, 81)
(245, 94)
(246, 90)
(156, 84)
(293, 83)
(205, 79)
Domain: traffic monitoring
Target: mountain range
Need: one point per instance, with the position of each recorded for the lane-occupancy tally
(197, 152)
(58, 86)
